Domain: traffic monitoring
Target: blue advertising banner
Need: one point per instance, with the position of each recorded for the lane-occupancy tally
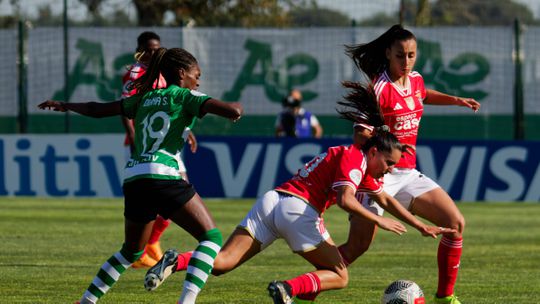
(468, 170)
(78, 165)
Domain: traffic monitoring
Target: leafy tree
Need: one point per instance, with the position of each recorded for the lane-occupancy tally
(457, 12)
(479, 12)
(316, 16)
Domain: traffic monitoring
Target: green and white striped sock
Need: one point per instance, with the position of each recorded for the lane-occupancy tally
(108, 274)
(200, 265)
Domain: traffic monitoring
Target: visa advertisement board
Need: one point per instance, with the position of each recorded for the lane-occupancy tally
(92, 166)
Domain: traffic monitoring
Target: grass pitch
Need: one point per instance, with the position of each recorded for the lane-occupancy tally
(52, 248)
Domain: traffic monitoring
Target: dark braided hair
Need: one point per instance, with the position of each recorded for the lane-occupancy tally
(166, 62)
(371, 57)
(360, 106)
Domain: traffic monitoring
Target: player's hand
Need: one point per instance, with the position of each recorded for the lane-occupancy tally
(469, 103)
(391, 225)
(192, 141)
(54, 105)
(240, 110)
(433, 231)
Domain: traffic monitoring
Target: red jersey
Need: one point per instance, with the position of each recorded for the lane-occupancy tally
(135, 72)
(338, 166)
(402, 108)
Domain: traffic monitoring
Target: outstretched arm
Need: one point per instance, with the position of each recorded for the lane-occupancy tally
(391, 205)
(92, 109)
(437, 98)
(230, 110)
(348, 202)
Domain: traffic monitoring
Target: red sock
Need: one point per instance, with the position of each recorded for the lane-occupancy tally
(160, 224)
(448, 257)
(305, 284)
(183, 260)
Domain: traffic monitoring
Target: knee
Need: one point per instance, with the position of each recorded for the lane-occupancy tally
(221, 266)
(458, 223)
(343, 278)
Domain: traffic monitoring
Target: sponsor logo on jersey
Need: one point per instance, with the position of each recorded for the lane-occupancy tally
(406, 122)
(410, 102)
(398, 107)
(356, 176)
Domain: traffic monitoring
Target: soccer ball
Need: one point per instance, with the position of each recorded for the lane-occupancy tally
(403, 292)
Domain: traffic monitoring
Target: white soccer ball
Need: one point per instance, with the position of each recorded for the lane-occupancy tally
(403, 292)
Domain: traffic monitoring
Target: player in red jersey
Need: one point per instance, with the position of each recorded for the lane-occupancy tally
(293, 211)
(147, 44)
(388, 61)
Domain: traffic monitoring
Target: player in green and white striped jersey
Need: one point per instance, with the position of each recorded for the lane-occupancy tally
(152, 182)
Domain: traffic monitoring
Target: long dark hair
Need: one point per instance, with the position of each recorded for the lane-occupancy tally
(166, 62)
(360, 106)
(371, 57)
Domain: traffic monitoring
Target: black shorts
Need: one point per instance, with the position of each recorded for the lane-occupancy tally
(145, 198)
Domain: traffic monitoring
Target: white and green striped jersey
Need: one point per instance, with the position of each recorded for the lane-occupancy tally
(160, 117)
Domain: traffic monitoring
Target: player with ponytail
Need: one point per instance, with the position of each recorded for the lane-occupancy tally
(152, 182)
(293, 211)
(388, 61)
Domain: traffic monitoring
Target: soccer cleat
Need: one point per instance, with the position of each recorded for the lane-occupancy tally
(451, 299)
(280, 292)
(144, 262)
(154, 251)
(162, 270)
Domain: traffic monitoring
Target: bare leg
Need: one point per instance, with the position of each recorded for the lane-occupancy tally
(239, 248)
(361, 235)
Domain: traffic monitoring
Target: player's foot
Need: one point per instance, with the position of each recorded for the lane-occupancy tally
(144, 262)
(451, 299)
(154, 251)
(280, 292)
(162, 270)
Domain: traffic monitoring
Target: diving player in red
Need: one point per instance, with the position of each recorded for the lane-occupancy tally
(293, 211)
(388, 61)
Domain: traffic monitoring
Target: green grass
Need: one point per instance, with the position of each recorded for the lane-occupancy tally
(52, 248)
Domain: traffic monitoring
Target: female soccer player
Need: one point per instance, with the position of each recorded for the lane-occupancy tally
(147, 44)
(152, 183)
(388, 61)
(293, 210)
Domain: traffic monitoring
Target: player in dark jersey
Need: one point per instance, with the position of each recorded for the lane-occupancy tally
(152, 182)
(388, 61)
(293, 211)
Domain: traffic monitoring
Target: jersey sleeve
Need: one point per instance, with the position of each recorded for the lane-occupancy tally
(193, 100)
(370, 185)
(347, 174)
(130, 105)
